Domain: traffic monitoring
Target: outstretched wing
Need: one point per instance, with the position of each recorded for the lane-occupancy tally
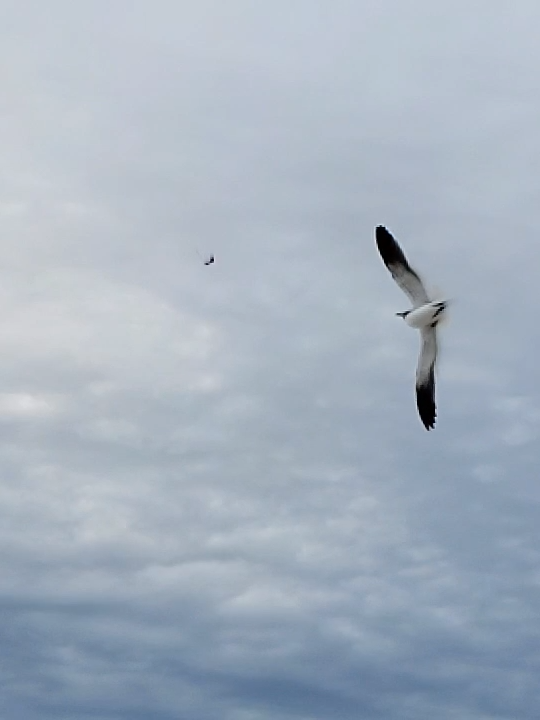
(401, 271)
(425, 378)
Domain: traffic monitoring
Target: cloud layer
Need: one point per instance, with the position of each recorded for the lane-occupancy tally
(217, 501)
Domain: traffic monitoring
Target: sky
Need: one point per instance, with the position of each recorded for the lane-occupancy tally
(217, 501)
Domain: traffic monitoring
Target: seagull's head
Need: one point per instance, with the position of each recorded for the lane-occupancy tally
(403, 314)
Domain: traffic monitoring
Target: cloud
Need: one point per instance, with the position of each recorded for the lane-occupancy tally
(216, 498)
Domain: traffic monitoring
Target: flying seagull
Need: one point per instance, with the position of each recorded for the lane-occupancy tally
(208, 259)
(424, 315)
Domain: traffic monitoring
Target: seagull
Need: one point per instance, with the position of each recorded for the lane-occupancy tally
(209, 258)
(424, 315)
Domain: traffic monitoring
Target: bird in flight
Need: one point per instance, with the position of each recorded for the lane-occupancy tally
(424, 315)
(210, 260)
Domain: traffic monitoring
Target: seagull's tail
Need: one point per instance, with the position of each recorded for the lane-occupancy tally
(438, 295)
(444, 320)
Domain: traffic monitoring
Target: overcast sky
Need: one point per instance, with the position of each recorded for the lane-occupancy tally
(217, 501)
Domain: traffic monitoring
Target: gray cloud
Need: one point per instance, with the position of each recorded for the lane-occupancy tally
(217, 499)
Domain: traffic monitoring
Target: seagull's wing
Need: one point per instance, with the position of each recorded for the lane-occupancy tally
(401, 271)
(425, 378)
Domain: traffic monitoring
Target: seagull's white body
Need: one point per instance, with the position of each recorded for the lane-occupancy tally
(424, 315)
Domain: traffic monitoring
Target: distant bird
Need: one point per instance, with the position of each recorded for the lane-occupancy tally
(424, 315)
(210, 260)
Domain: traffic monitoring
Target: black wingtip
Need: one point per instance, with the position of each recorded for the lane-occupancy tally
(382, 234)
(425, 401)
(389, 248)
(385, 241)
